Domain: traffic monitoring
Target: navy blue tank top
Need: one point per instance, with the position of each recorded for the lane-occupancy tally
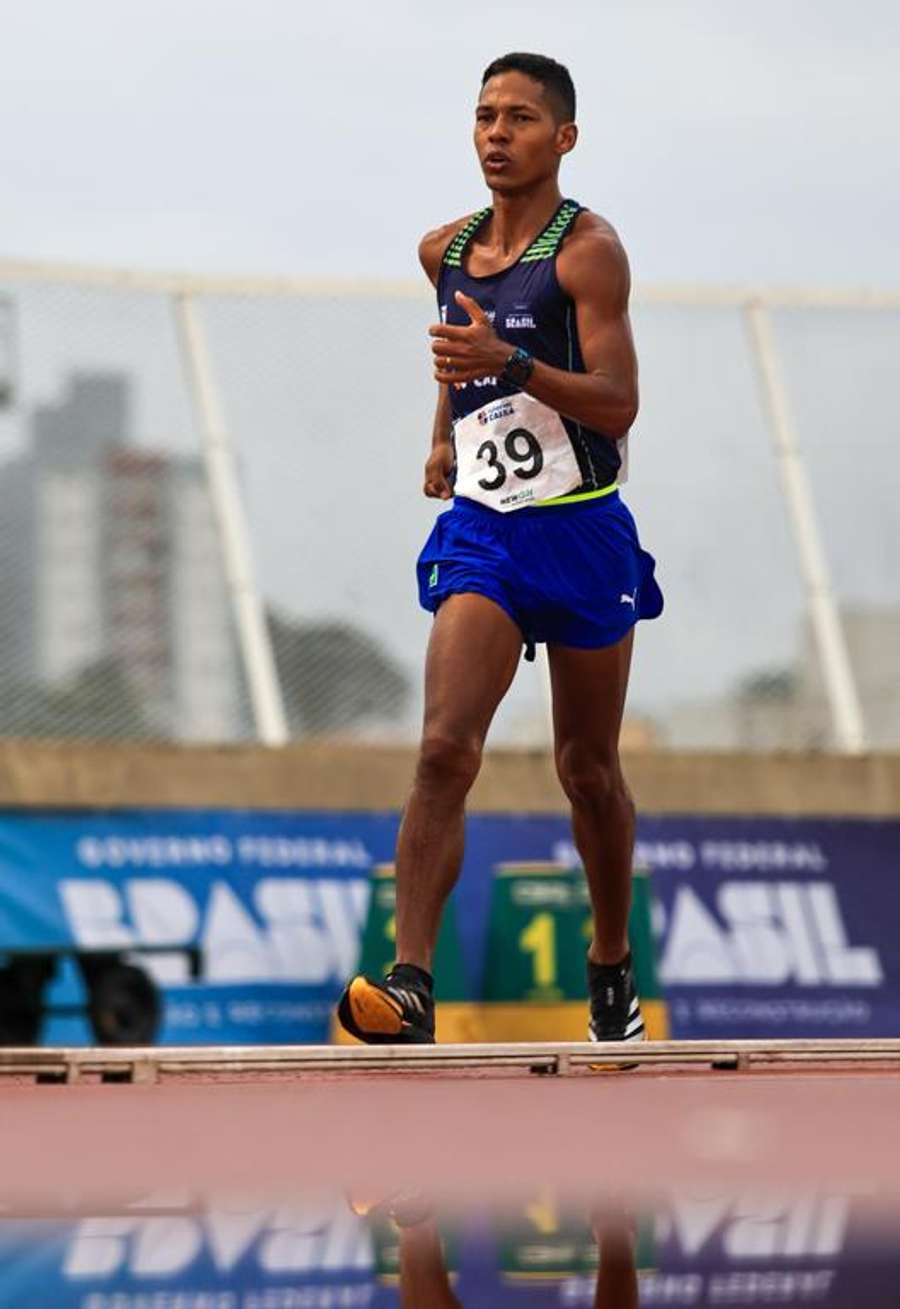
(528, 308)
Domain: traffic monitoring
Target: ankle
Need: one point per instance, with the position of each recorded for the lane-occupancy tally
(608, 958)
(414, 974)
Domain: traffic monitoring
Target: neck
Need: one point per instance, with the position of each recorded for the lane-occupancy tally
(520, 215)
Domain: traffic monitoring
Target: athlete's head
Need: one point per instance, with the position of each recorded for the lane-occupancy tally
(524, 120)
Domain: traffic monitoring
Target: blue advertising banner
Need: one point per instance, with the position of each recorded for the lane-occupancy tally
(765, 927)
(274, 902)
(316, 1255)
(776, 927)
(817, 1248)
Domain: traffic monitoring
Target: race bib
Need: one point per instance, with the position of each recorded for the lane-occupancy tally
(514, 452)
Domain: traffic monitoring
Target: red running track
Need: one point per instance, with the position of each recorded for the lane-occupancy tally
(93, 1149)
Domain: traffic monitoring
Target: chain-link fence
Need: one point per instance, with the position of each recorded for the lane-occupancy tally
(157, 587)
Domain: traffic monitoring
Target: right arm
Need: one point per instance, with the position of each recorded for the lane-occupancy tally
(439, 466)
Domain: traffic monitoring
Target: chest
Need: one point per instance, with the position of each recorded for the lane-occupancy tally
(525, 304)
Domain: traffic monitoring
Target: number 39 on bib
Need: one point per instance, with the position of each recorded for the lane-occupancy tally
(514, 452)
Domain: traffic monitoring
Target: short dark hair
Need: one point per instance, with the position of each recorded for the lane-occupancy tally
(553, 77)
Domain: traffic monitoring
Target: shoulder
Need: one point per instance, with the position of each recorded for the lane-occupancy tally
(434, 244)
(592, 260)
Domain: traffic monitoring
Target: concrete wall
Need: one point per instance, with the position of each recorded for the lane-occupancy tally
(327, 776)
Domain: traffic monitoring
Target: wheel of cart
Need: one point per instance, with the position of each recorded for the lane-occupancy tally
(123, 1002)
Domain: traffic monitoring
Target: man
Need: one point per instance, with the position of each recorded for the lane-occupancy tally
(537, 390)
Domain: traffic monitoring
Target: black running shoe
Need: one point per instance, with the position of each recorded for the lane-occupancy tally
(397, 1011)
(615, 1007)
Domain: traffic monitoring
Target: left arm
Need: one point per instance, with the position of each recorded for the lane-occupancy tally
(593, 269)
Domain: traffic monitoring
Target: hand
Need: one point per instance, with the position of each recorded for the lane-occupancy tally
(438, 471)
(465, 354)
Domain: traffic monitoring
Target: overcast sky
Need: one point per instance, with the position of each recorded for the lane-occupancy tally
(726, 139)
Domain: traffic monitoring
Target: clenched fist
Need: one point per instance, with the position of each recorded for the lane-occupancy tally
(439, 471)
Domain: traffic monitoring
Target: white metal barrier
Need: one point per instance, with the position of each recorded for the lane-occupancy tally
(208, 376)
(155, 1063)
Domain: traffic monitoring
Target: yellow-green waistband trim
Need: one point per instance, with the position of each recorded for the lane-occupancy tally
(576, 499)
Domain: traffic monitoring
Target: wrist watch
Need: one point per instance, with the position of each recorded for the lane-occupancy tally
(518, 367)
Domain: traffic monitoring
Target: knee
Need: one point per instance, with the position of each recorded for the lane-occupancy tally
(591, 779)
(448, 763)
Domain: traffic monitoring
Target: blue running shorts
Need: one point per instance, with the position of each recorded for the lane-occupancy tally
(571, 574)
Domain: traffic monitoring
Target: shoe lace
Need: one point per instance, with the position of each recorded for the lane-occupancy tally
(409, 997)
(610, 996)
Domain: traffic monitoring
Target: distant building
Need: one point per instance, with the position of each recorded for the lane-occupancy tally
(873, 641)
(116, 558)
(788, 709)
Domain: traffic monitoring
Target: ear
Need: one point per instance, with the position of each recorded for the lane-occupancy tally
(566, 136)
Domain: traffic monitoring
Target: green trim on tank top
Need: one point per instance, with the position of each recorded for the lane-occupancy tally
(579, 496)
(456, 249)
(546, 245)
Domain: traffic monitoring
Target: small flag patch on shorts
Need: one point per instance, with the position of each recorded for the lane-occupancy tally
(433, 577)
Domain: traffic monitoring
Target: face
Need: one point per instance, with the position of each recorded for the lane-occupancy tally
(518, 139)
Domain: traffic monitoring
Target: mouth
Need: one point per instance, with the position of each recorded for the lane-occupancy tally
(496, 159)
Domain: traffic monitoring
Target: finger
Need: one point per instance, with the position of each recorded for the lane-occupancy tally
(449, 331)
(453, 376)
(472, 307)
(451, 350)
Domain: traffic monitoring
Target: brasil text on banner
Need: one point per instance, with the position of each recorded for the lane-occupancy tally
(763, 927)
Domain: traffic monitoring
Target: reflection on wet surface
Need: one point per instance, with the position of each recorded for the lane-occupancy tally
(341, 1252)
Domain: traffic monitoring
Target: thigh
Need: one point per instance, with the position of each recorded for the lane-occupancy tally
(473, 654)
(589, 688)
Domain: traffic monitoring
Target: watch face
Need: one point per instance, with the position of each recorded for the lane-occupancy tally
(518, 368)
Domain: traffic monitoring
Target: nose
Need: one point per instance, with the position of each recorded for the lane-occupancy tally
(498, 133)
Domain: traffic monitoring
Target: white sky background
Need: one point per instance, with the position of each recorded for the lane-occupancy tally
(728, 140)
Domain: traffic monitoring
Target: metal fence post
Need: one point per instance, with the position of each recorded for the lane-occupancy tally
(837, 670)
(228, 508)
